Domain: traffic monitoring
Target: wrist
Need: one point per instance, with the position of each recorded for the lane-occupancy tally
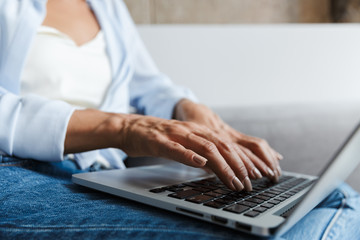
(112, 130)
(92, 129)
(182, 109)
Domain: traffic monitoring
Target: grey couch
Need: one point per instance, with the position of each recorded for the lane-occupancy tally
(307, 135)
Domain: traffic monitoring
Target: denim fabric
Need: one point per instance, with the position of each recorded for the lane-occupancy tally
(39, 201)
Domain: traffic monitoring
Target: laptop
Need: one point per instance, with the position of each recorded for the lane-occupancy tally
(269, 210)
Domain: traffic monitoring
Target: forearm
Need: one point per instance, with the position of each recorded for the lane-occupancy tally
(92, 129)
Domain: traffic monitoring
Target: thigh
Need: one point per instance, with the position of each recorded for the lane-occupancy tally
(39, 204)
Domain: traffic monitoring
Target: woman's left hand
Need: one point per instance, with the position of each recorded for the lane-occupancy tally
(259, 158)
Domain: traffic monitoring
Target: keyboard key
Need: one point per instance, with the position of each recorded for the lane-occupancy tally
(274, 202)
(285, 195)
(202, 189)
(184, 194)
(237, 208)
(276, 192)
(267, 205)
(229, 196)
(214, 194)
(258, 188)
(215, 204)
(192, 184)
(173, 189)
(271, 195)
(255, 200)
(285, 178)
(222, 191)
(251, 214)
(210, 187)
(249, 204)
(226, 200)
(177, 186)
(263, 197)
(236, 196)
(199, 198)
(260, 209)
(157, 190)
(280, 199)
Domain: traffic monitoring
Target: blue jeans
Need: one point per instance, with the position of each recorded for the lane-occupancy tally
(38, 200)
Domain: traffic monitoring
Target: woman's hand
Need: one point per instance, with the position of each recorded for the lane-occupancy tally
(255, 153)
(186, 142)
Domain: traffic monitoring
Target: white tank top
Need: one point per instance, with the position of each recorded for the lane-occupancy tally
(57, 68)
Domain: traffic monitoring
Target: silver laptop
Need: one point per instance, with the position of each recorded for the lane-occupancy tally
(269, 210)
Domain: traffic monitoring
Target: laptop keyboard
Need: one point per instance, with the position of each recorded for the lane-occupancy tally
(211, 192)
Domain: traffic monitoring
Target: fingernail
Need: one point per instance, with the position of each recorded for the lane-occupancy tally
(237, 184)
(270, 172)
(276, 175)
(256, 173)
(200, 160)
(279, 170)
(280, 156)
(247, 184)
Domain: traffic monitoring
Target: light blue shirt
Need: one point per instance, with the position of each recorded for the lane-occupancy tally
(34, 127)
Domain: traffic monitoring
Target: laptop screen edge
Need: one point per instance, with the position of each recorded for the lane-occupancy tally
(328, 180)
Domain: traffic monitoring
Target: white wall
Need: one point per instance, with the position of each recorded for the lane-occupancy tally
(237, 65)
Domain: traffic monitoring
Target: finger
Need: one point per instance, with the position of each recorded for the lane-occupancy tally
(277, 164)
(216, 162)
(277, 154)
(274, 165)
(264, 169)
(276, 157)
(228, 152)
(254, 173)
(177, 152)
(262, 150)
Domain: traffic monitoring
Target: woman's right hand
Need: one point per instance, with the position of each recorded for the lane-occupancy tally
(186, 142)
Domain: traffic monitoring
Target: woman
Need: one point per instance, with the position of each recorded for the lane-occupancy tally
(106, 66)
(69, 71)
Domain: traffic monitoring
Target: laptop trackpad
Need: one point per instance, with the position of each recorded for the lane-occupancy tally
(144, 177)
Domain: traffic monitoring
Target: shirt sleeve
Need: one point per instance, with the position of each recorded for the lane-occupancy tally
(33, 127)
(151, 92)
